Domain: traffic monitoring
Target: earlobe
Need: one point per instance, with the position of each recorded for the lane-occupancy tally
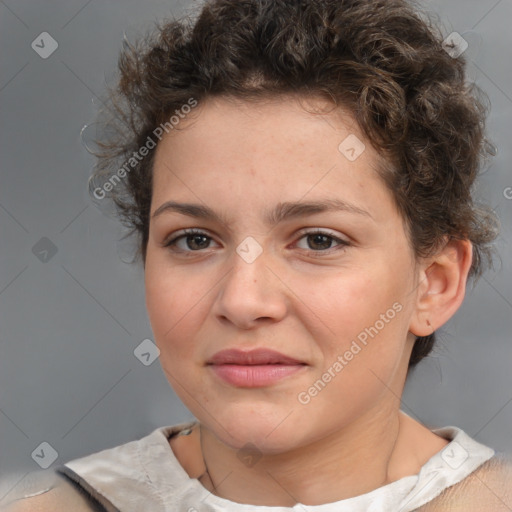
(442, 286)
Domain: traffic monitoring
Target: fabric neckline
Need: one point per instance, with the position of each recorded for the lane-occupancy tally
(447, 467)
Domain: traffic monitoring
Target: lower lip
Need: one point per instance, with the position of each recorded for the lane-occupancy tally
(254, 376)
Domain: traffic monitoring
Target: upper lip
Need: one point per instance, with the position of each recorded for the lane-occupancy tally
(257, 356)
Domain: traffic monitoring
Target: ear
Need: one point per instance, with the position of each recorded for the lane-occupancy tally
(441, 286)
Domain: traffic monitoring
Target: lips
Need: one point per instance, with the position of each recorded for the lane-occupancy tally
(255, 368)
(253, 357)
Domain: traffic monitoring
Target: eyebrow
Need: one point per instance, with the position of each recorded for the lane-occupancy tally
(283, 211)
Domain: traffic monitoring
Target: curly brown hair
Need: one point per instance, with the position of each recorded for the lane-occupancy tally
(383, 60)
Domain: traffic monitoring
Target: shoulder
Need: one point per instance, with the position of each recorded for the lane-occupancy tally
(487, 489)
(57, 494)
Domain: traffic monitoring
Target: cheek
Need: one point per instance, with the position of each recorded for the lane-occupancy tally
(359, 316)
(361, 349)
(347, 303)
(173, 302)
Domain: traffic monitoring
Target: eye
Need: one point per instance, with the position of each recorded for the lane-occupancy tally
(321, 241)
(191, 240)
(195, 240)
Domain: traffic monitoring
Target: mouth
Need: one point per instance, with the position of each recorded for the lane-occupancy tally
(254, 368)
(256, 357)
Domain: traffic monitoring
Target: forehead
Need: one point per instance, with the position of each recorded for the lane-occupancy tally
(292, 118)
(292, 146)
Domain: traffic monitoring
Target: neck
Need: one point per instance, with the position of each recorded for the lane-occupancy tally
(361, 457)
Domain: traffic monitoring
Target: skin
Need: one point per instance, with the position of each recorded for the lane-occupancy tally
(299, 297)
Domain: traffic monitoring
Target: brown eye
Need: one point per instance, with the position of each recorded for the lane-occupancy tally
(317, 241)
(189, 241)
(321, 241)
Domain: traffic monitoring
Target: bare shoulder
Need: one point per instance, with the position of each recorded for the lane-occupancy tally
(56, 494)
(487, 489)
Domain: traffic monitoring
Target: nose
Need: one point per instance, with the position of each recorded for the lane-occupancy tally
(250, 294)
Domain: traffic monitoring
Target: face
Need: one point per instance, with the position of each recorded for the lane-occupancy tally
(330, 287)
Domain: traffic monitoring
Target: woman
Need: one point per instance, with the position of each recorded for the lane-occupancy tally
(299, 175)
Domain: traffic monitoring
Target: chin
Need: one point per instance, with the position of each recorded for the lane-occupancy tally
(263, 428)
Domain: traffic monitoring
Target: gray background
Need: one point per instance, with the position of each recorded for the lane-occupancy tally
(69, 326)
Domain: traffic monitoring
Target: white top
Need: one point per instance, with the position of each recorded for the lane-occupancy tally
(146, 475)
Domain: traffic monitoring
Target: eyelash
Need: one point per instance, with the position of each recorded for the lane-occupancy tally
(189, 232)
